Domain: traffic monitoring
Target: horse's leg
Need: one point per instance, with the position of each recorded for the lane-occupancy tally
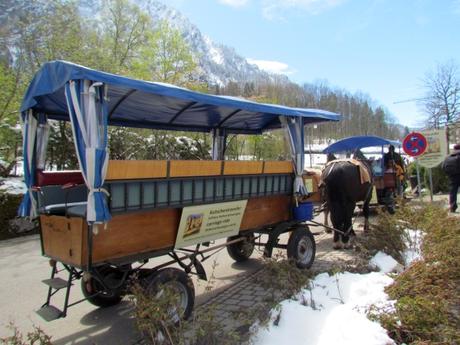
(326, 217)
(366, 211)
(336, 211)
(347, 228)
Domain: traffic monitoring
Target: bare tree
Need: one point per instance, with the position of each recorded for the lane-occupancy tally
(442, 99)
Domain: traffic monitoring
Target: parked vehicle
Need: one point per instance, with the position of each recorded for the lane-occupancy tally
(104, 222)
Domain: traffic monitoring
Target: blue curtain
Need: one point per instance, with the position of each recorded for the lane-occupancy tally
(88, 116)
(28, 206)
(295, 134)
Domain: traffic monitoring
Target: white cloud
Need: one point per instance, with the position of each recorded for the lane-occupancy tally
(234, 3)
(272, 66)
(274, 9)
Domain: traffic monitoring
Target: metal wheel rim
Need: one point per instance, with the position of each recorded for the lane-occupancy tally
(246, 248)
(179, 290)
(304, 250)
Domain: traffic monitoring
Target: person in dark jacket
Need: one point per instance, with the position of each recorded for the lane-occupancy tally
(451, 167)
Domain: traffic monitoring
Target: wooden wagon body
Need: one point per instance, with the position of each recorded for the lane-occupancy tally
(146, 201)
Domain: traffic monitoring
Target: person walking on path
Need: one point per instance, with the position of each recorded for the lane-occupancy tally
(451, 167)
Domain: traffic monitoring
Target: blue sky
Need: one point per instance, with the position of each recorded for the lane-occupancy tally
(382, 48)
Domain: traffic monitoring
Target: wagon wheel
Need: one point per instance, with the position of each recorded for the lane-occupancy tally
(301, 247)
(242, 250)
(177, 288)
(94, 291)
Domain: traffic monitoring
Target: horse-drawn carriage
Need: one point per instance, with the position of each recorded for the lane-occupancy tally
(105, 221)
(387, 169)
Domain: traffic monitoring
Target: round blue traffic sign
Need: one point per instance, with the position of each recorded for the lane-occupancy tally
(414, 144)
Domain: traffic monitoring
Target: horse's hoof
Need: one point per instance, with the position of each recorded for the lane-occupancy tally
(348, 245)
(337, 245)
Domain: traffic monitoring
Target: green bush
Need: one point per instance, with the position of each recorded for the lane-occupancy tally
(440, 179)
(9, 204)
(427, 301)
(386, 234)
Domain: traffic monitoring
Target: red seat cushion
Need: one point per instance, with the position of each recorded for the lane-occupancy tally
(48, 178)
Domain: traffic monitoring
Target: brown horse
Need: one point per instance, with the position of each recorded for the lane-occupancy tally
(345, 182)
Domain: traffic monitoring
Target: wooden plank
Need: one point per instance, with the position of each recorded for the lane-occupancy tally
(183, 168)
(278, 167)
(135, 233)
(243, 167)
(62, 238)
(266, 210)
(136, 169)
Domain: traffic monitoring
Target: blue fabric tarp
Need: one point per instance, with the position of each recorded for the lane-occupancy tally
(136, 103)
(358, 142)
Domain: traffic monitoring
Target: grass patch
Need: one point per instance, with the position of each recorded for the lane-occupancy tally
(282, 277)
(36, 337)
(386, 234)
(427, 308)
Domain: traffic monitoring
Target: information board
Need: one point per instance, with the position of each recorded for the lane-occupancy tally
(210, 222)
(436, 149)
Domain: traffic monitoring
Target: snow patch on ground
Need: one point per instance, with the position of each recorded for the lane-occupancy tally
(385, 263)
(13, 185)
(331, 311)
(413, 252)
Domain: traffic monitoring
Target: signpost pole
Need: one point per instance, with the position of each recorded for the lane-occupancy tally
(419, 186)
(430, 173)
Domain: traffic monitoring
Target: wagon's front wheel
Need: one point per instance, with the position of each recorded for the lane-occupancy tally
(174, 289)
(242, 250)
(301, 247)
(94, 290)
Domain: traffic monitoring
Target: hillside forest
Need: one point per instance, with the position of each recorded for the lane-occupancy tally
(122, 39)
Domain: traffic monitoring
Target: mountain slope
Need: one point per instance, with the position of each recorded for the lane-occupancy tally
(219, 64)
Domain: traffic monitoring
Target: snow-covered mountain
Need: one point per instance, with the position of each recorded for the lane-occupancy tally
(219, 64)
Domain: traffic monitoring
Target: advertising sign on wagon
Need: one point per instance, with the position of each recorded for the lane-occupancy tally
(436, 149)
(206, 223)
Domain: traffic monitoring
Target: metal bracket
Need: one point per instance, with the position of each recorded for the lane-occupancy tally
(273, 237)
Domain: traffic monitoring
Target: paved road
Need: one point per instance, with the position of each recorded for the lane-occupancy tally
(22, 268)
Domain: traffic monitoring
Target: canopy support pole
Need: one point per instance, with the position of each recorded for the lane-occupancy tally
(218, 144)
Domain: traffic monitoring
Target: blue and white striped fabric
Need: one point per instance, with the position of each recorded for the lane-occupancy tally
(43, 134)
(87, 107)
(28, 207)
(294, 131)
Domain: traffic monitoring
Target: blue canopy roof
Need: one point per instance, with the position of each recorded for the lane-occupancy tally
(358, 142)
(136, 103)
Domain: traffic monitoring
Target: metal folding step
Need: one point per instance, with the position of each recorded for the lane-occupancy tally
(55, 283)
(49, 313)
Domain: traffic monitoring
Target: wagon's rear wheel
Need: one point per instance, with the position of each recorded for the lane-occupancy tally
(174, 289)
(94, 291)
(301, 247)
(242, 250)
